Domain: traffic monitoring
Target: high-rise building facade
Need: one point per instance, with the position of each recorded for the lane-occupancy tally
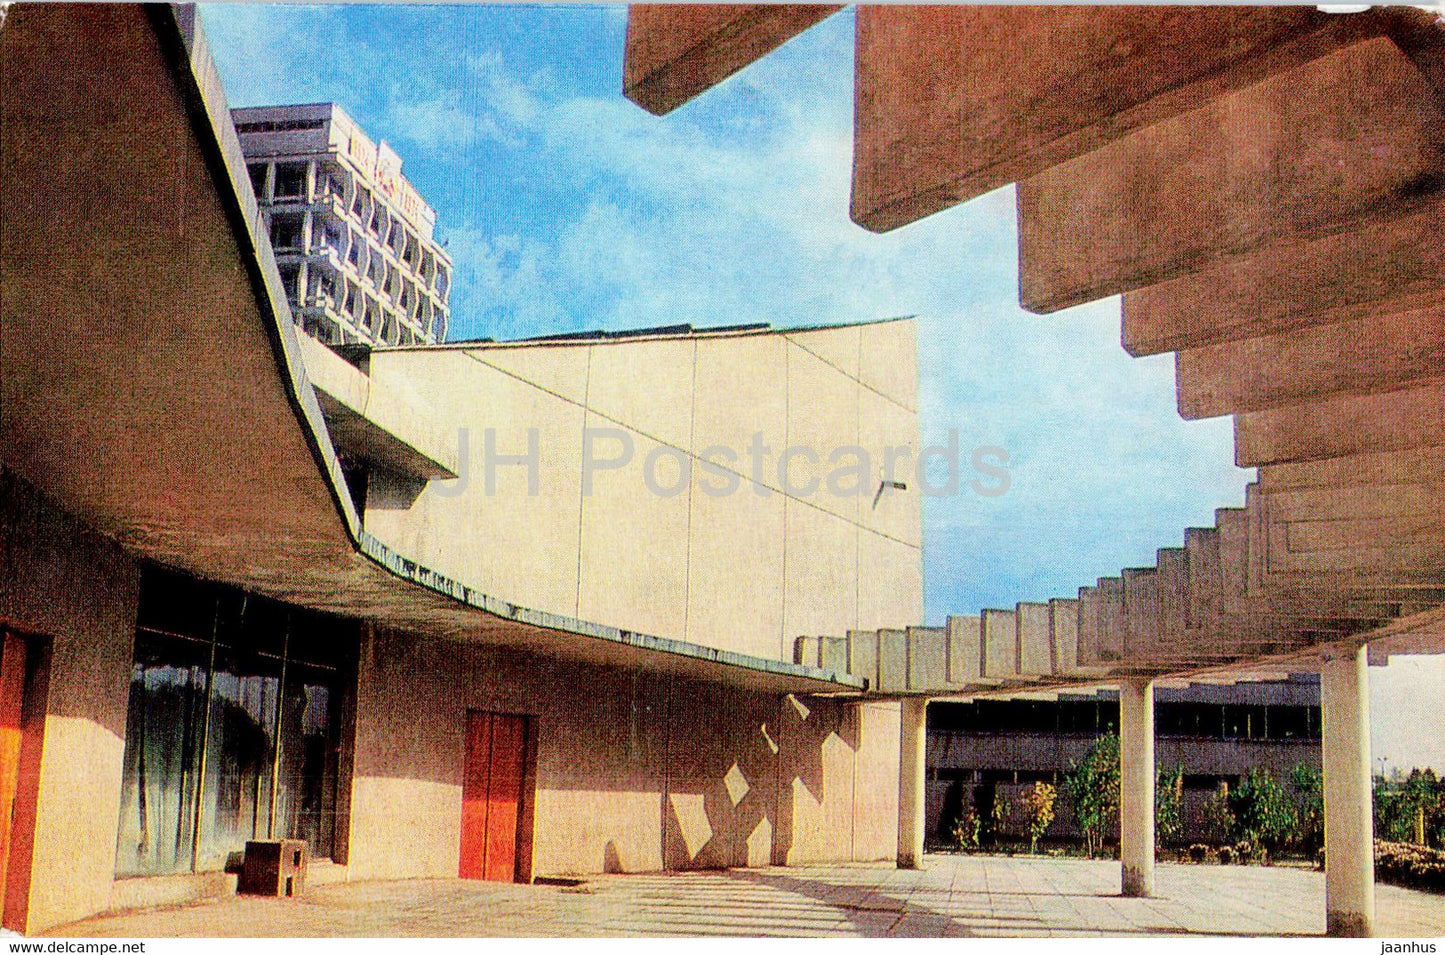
(354, 240)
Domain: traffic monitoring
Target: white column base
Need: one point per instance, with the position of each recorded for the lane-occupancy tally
(912, 754)
(1349, 822)
(1136, 787)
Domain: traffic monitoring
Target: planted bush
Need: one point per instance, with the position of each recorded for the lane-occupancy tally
(1411, 866)
(1092, 784)
(1039, 804)
(966, 830)
(1264, 813)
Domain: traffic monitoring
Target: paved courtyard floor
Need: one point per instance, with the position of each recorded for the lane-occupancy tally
(951, 896)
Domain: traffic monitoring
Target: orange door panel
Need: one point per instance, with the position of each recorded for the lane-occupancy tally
(475, 772)
(504, 796)
(492, 795)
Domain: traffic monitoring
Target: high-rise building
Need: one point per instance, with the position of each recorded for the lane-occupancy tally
(354, 240)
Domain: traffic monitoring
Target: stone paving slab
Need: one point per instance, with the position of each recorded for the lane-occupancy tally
(951, 896)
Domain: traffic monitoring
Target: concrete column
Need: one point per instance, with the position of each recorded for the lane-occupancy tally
(1136, 786)
(912, 753)
(1349, 827)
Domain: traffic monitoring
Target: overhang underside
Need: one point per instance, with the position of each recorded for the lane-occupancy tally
(150, 378)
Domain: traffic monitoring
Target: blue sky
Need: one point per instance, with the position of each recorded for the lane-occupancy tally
(566, 207)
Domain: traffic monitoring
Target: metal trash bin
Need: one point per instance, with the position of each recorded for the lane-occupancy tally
(275, 867)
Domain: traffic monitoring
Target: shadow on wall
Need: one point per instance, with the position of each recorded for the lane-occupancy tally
(731, 800)
(636, 770)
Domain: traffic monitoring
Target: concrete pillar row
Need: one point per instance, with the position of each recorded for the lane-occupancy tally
(1136, 787)
(912, 755)
(1349, 826)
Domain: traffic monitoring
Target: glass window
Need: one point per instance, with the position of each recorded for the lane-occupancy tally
(163, 732)
(290, 180)
(234, 727)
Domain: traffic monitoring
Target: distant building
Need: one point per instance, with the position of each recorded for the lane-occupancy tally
(1216, 733)
(353, 238)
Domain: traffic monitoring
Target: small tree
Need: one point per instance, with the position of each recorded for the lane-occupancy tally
(1308, 784)
(1040, 806)
(1092, 784)
(1410, 809)
(1394, 816)
(998, 816)
(1263, 811)
(1219, 816)
(966, 830)
(1169, 803)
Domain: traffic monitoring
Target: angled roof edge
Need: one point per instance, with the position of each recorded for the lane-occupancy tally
(600, 336)
(203, 98)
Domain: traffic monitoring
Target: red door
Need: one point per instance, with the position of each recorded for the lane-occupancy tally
(492, 781)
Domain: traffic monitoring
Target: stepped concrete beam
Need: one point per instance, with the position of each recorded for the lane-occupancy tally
(833, 654)
(951, 102)
(1173, 565)
(1000, 644)
(892, 661)
(1032, 646)
(1257, 512)
(1421, 465)
(1373, 353)
(1141, 612)
(912, 766)
(806, 651)
(1363, 534)
(1348, 137)
(675, 51)
(927, 658)
(1379, 561)
(1064, 634)
(1089, 621)
(1111, 619)
(1357, 503)
(1205, 604)
(1342, 425)
(1378, 265)
(1349, 835)
(965, 649)
(1136, 787)
(863, 655)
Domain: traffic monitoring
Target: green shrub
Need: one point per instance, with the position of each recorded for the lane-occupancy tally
(966, 830)
(1169, 804)
(1308, 785)
(1218, 816)
(1092, 784)
(1264, 813)
(1412, 866)
(1039, 804)
(1411, 809)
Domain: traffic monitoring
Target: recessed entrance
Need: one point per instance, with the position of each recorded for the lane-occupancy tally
(496, 811)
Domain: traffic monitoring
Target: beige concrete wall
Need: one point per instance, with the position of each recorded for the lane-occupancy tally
(635, 771)
(747, 571)
(61, 581)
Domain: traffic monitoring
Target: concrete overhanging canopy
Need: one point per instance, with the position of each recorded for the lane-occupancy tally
(151, 379)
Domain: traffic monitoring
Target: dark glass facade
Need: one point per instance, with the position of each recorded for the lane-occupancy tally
(1190, 719)
(235, 727)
